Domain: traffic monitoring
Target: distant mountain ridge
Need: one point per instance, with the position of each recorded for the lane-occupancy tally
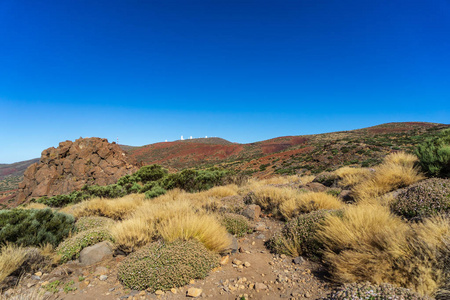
(280, 155)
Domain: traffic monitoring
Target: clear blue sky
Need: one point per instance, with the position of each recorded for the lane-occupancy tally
(147, 71)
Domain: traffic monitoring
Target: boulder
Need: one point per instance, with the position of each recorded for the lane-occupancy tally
(93, 254)
(194, 292)
(252, 211)
(71, 165)
(327, 179)
(315, 187)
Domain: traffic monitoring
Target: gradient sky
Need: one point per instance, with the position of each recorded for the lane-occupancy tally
(147, 71)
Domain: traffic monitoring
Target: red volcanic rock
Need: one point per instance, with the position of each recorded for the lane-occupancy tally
(72, 165)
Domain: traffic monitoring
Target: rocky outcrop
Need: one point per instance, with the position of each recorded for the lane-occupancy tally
(72, 165)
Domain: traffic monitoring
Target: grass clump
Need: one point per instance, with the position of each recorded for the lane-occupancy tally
(270, 197)
(298, 236)
(202, 227)
(308, 202)
(71, 247)
(11, 258)
(86, 223)
(368, 243)
(366, 290)
(395, 172)
(434, 155)
(426, 198)
(349, 176)
(236, 224)
(162, 266)
(34, 227)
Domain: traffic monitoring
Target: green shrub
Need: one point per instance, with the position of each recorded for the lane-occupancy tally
(86, 223)
(155, 192)
(194, 180)
(424, 199)
(366, 290)
(236, 224)
(297, 237)
(62, 200)
(150, 173)
(434, 155)
(162, 266)
(108, 191)
(72, 247)
(34, 227)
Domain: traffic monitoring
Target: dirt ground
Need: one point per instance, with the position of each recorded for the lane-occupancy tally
(252, 272)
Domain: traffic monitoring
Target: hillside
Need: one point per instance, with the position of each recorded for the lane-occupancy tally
(290, 154)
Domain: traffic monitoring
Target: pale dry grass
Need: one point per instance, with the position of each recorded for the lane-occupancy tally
(30, 294)
(11, 258)
(308, 202)
(203, 227)
(402, 159)
(34, 205)
(271, 197)
(133, 233)
(368, 243)
(116, 209)
(352, 176)
(392, 174)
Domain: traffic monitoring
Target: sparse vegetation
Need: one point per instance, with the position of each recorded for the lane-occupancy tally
(86, 223)
(236, 224)
(308, 202)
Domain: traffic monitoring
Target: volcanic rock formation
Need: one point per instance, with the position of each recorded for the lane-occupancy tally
(72, 165)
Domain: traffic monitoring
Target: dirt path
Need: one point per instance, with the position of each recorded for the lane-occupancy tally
(252, 272)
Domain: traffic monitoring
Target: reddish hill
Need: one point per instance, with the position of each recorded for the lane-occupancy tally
(289, 154)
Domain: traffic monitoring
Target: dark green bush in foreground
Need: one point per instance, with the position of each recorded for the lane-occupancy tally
(366, 290)
(71, 247)
(424, 199)
(34, 227)
(298, 236)
(162, 266)
(434, 155)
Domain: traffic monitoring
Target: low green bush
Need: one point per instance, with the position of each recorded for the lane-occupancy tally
(434, 155)
(366, 290)
(155, 192)
(71, 247)
(86, 223)
(194, 180)
(297, 237)
(236, 224)
(34, 227)
(162, 266)
(423, 199)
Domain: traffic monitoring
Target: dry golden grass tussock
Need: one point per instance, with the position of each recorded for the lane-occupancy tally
(34, 205)
(392, 174)
(271, 197)
(308, 202)
(11, 258)
(368, 243)
(352, 176)
(116, 209)
(402, 159)
(133, 233)
(203, 227)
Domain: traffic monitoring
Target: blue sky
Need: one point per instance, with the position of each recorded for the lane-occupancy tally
(147, 71)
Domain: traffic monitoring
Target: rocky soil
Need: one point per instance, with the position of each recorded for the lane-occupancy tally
(252, 271)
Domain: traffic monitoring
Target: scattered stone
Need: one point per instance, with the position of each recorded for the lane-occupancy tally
(260, 227)
(247, 264)
(38, 274)
(194, 292)
(101, 271)
(93, 254)
(261, 237)
(111, 289)
(192, 281)
(283, 256)
(103, 277)
(35, 277)
(253, 212)
(260, 286)
(158, 292)
(224, 260)
(307, 295)
(237, 262)
(298, 260)
(315, 187)
(173, 290)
